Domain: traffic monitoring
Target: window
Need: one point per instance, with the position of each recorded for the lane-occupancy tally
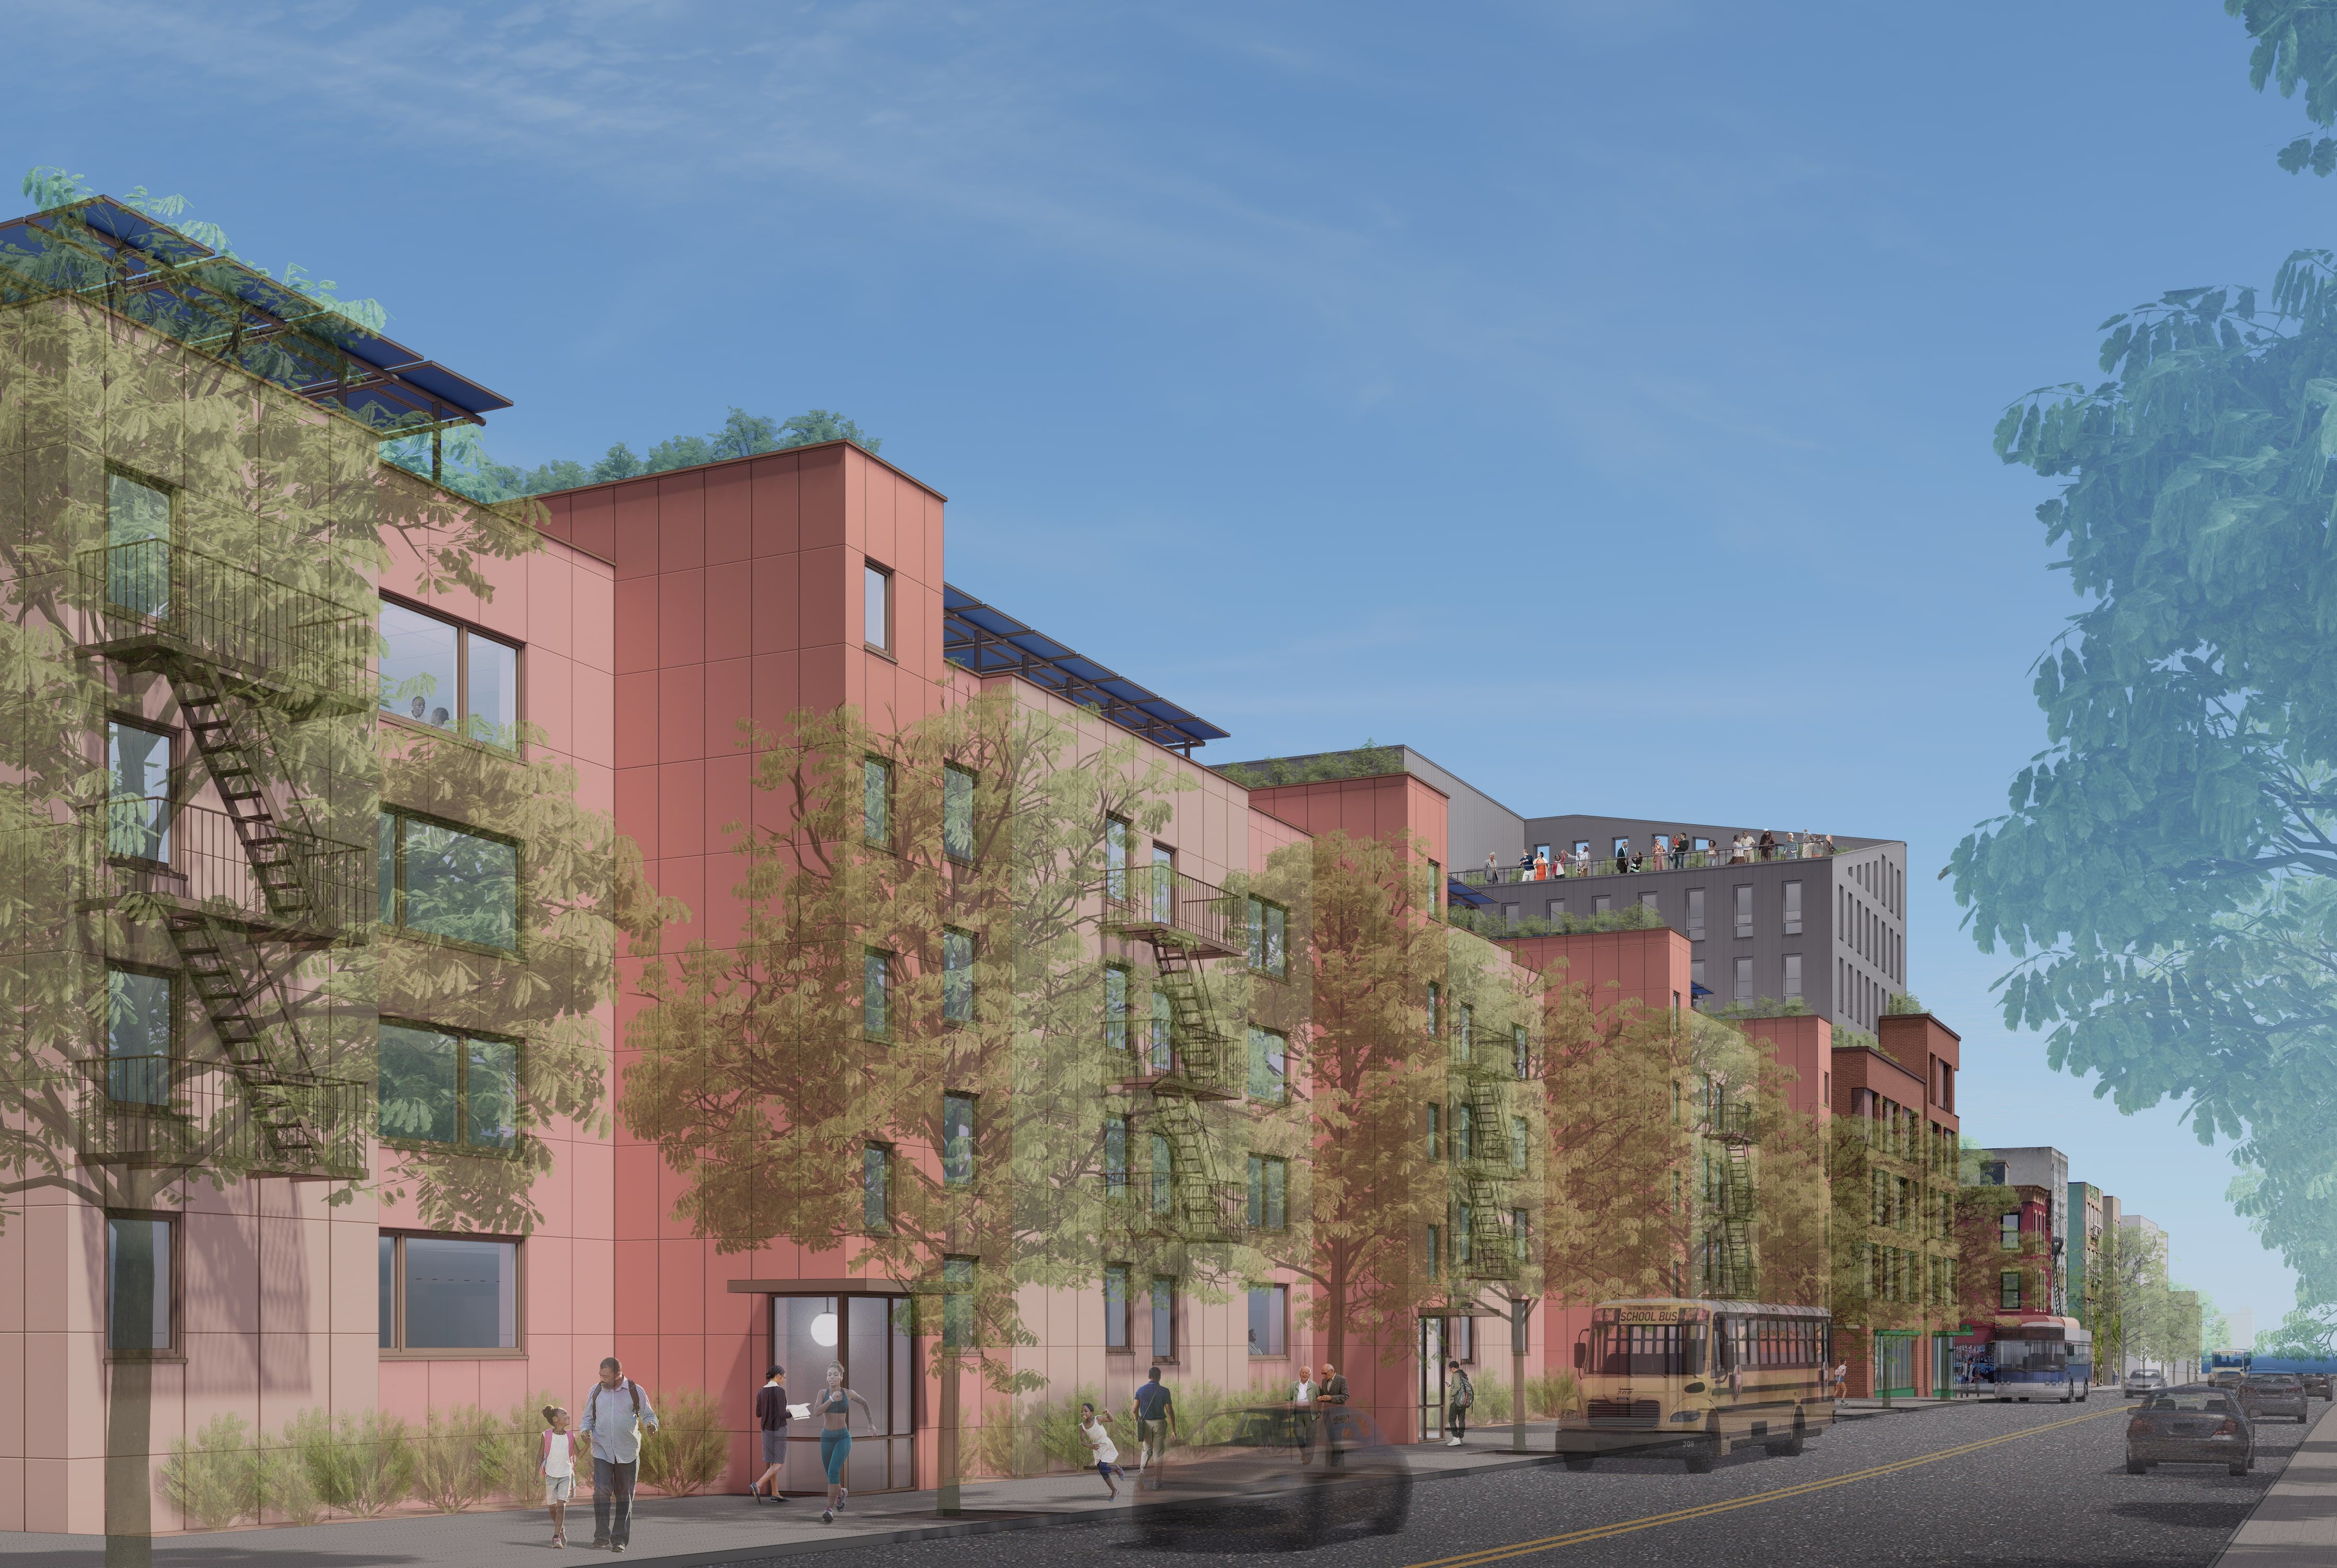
(876, 803)
(1269, 934)
(1435, 1251)
(2008, 1291)
(957, 813)
(1269, 1066)
(2008, 1231)
(1509, 914)
(1555, 911)
(1435, 890)
(138, 546)
(1744, 981)
(438, 1086)
(957, 1140)
(1436, 1008)
(1792, 908)
(139, 1008)
(443, 881)
(957, 976)
(1164, 1317)
(1115, 858)
(1467, 1038)
(447, 677)
(1269, 1320)
(1269, 1186)
(1435, 1132)
(877, 606)
(1115, 1007)
(1520, 1054)
(957, 1303)
(1622, 848)
(1792, 985)
(1696, 914)
(138, 792)
(1695, 973)
(1602, 904)
(1115, 1156)
(1164, 1052)
(1464, 1132)
(1520, 1144)
(1522, 1233)
(1164, 1175)
(1464, 1252)
(877, 1187)
(876, 994)
(448, 1294)
(1115, 1306)
(140, 1289)
(1742, 896)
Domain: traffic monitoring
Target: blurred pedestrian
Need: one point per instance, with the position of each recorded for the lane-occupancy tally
(1460, 1396)
(1156, 1423)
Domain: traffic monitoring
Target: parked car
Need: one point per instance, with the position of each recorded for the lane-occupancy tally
(2193, 1425)
(1295, 1477)
(2146, 1381)
(2227, 1377)
(2316, 1383)
(2266, 1394)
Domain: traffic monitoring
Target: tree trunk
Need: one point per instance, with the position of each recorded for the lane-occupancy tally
(129, 1491)
(1520, 1310)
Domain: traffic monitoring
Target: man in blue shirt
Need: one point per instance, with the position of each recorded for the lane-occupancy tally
(1156, 1422)
(615, 1412)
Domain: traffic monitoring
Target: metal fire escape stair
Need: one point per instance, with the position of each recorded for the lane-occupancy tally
(1731, 1235)
(231, 751)
(227, 991)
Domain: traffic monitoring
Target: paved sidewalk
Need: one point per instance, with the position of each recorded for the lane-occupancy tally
(2294, 1523)
(683, 1532)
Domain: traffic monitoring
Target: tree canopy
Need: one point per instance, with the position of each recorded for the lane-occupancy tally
(2296, 46)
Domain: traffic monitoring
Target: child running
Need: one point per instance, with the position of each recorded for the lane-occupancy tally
(1099, 1443)
(558, 1464)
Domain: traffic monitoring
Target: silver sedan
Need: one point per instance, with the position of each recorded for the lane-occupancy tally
(2195, 1424)
(2274, 1394)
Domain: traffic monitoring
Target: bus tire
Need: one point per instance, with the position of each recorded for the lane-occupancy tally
(1703, 1456)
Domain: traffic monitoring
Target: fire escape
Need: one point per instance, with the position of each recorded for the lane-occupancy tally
(1486, 1170)
(1728, 1135)
(246, 893)
(1192, 1060)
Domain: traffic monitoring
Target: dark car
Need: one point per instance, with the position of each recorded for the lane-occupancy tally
(1294, 1476)
(2273, 1394)
(2146, 1381)
(2316, 1383)
(2193, 1425)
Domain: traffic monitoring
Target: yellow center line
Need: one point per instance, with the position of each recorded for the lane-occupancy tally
(1705, 1510)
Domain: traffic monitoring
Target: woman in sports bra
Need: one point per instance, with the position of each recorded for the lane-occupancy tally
(833, 1409)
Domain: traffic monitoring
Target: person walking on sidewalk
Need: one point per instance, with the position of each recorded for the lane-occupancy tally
(771, 1421)
(1462, 1395)
(834, 1407)
(1105, 1452)
(1335, 1385)
(1156, 1423)
(556, 1462)
(615, 1413)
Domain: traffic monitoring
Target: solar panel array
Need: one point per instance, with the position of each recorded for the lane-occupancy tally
(986, 640)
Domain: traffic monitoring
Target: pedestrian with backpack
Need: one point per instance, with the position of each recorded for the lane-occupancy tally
(1156, 1423)
(1464, 1394)
(616, 1412)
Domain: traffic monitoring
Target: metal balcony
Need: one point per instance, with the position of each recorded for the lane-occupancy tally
(1163, 906)
(191, 858)
(151, 603)
(178, 1113)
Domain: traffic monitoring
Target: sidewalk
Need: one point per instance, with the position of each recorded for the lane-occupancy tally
(684, 1531)
(2295, 1522)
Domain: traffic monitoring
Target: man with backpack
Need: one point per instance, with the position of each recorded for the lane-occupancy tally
(1462, 1396)
(615, 1412)
(1156, 1422)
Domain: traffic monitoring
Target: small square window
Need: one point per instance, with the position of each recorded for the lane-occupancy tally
(877, 606)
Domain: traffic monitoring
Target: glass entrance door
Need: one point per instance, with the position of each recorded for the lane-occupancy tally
(869, 1337)
(1894, 1363)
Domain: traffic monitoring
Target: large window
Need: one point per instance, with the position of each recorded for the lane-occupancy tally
(1269, 1321)
(877, 606)
(1269, 1187)
(138, 792)
(1269, 1059)
(2008, 1291)
(438, 1086)
(957, 1140)
(876, 994)
(876, 1187)
(957, 813)
(448, 677)
(442, 881)
(957, 976)
(877, 801)
(137, 515)
(2008, 1231)
(1269, 937)
(139, 1008)
(1115, 1307)
(141, 1293)
(1164, 1317)
(448, 1294)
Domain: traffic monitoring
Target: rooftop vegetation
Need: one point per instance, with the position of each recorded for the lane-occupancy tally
(1488, 922)
(1368, 760)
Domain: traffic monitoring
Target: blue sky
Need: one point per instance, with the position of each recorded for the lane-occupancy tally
(1595, 395)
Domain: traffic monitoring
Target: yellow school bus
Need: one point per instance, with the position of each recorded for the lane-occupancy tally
(1695, 1378)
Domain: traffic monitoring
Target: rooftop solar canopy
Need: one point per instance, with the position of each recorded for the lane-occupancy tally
(988, 641)
(158, 276)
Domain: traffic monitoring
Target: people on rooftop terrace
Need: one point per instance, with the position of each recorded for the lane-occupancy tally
(1769, 845)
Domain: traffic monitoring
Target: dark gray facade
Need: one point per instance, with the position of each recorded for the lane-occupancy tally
(1832, 931)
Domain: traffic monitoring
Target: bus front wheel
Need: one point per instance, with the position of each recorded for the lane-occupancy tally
(1703, 1456)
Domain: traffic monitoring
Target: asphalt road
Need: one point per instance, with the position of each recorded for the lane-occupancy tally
(2053, 1494)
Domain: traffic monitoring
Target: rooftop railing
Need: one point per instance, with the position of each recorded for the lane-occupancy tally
(1568, 869)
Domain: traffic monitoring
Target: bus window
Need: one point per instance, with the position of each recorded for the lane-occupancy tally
(1646, 1350)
